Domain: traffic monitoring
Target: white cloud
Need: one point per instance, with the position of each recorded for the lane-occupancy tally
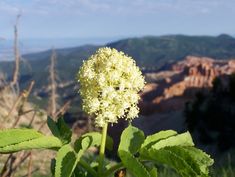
(117, 7)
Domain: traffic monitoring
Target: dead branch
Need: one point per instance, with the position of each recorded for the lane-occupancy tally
(14, 163)
(24, 97)
(63, 109)
(53, 85)
(61, 112)
(14, 106)
(4, 169)
(32, 119)
(30, 165)
(28, 111)
(8, 168)
(14, 81)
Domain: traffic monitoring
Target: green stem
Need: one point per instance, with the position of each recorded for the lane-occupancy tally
(113, 169)
(102, 149)
(85, 165)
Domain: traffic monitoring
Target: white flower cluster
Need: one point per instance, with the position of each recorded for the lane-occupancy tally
(109, 86)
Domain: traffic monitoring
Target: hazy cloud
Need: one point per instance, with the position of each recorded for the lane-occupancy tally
(114, 7)
(90, 17)
(6, 8)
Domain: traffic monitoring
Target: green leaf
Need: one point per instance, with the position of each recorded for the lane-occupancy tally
(153, 172)
(45, 142)
(92, 139)
(151, 168)
(14, 136)
(53, 127)
(152, 139)
(179, 159)
(183, 139)
(132, 164)
(14, 140)
(60, 129)
(202, 159)
(131, 139)
(66, 161)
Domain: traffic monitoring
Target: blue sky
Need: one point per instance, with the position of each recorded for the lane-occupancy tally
(116, 18)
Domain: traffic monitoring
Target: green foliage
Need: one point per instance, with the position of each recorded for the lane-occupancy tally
(153, 172)
(133, 164)
(165, 147)
(131, 140)
(14, 140)
(60, 129)
(175, 159)
(184, 160)
(183, 139)
(152, 139)
(15, 136)
(92, 139)
(139, 155)
(65, 161)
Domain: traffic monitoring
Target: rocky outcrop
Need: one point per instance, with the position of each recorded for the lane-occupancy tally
(182, 81)
(166, 93)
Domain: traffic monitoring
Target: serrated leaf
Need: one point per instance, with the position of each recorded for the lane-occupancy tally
(152, 139)
(60, 129)
(45, 142)
(92, 139)
(179, 159)
(65, 162)
(183, 139)
(131, 139)
(65, 130)
(202, 159)
(15, 136)
(132, 164)
(53, 127)
(13, 140)
(74, 157)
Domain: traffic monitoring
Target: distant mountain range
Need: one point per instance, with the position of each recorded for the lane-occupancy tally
(155, 51)
(150, 53)
(35, 45)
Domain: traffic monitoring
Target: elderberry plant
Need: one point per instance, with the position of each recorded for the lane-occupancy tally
(109, 86)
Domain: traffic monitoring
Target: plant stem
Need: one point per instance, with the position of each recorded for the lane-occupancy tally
(102, 149)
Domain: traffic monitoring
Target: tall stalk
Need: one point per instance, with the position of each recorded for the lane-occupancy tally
(102, 149)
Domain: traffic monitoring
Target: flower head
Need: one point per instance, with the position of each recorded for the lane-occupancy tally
(109, 86)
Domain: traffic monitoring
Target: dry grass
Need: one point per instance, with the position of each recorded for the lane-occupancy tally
(16, 111)
(13, 107)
